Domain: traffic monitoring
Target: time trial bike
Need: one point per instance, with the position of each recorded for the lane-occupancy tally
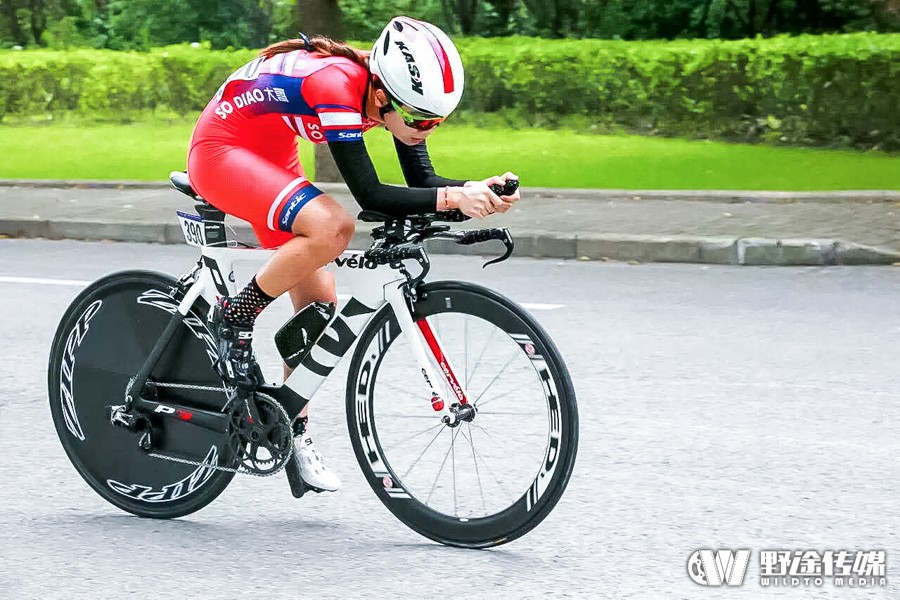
(460, 409)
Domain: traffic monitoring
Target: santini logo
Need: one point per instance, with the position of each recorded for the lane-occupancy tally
(715, 568)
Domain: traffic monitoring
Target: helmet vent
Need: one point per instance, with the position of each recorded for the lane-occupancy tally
(387, 43)
(398, 25)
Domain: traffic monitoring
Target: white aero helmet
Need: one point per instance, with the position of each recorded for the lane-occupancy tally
(419, 66)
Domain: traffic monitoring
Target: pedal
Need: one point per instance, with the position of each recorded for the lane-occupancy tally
(298, 486)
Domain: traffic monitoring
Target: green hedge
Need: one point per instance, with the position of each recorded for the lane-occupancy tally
(838, 90)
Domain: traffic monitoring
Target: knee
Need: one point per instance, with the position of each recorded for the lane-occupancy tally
(335, 233)
(346, 227)
(340, 232)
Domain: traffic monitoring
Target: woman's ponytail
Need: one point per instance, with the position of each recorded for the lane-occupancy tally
(319, 44)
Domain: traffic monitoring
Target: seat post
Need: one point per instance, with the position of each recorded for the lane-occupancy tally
(213, 225)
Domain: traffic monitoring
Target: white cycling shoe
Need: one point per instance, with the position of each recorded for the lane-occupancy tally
(313, 470)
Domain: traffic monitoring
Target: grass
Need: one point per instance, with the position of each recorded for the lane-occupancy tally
(149, 150)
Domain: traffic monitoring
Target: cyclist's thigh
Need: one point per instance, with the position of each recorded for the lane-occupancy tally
(252, 187)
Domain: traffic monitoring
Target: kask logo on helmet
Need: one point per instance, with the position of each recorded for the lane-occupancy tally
(418, 66)
(415, 78)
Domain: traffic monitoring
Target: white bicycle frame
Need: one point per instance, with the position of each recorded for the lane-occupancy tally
(372, 287)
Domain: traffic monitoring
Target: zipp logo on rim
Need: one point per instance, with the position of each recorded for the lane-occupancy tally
(174, 491)
(67, 369)
(161, 300)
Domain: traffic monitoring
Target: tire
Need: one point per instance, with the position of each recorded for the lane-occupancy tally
(102, 341)
(371, 425)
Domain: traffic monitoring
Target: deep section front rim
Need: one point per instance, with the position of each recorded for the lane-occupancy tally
(392, 481)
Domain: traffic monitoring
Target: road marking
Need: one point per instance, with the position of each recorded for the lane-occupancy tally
(42, 281)
(80, 283)
(539, 306)
(525, 305)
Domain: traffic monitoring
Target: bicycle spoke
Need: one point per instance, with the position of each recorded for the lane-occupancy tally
(453, 467)
(481, 404)
(475, 464)
(501, 412)
(480, 356)
(402, 416)
(497, 376)
(408, 438)
(488, 468)
(488, 433)
(408, 471)
(516, 399)
(440, 470)
(396, 388)
(466, 350)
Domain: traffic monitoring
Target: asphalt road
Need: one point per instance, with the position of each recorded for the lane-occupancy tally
(720, 407)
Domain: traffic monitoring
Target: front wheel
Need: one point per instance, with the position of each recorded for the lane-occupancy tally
(500, 472)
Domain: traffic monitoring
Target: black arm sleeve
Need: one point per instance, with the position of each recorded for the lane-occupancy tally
(417, 168)
(356, 168)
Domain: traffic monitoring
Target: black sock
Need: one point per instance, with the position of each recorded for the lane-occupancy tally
(246, 305)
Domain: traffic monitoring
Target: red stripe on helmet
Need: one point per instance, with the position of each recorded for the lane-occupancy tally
(443, 59)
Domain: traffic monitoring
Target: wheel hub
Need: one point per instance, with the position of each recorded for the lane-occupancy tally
(461, 412)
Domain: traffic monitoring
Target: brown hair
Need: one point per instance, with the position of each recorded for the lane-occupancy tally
(319, 44)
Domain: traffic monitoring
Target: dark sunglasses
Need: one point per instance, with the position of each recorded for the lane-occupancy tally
(415, 120)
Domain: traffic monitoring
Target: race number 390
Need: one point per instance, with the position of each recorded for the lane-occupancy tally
(192, 228)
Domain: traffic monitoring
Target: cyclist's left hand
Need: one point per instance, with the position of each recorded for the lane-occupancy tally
(508, 201)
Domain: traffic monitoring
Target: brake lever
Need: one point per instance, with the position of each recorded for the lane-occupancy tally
(510, 246)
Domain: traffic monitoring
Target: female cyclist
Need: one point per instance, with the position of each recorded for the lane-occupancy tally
(243, 160)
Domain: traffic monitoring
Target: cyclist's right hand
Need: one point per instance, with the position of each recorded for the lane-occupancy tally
(476, 200)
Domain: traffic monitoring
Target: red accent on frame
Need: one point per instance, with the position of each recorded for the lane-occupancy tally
(184, 415)
(442, 362)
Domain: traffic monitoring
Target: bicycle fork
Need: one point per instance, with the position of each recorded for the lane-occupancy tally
(417, 332)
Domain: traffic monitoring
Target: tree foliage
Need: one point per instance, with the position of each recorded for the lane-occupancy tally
(834, 90)
(139, 24)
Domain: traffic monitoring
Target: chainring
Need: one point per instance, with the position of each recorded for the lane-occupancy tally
(261, 444)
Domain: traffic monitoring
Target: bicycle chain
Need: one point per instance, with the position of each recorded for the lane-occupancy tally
(197, 463)
(188, 386)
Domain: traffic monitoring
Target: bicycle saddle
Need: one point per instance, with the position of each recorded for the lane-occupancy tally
(181, 183)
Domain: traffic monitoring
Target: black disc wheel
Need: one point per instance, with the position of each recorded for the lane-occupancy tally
(103, 339)
(503, 466)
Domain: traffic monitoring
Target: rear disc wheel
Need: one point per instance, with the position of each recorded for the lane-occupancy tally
(101, 343)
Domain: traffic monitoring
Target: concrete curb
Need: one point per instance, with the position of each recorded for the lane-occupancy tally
(638, 248)
(720, 196)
